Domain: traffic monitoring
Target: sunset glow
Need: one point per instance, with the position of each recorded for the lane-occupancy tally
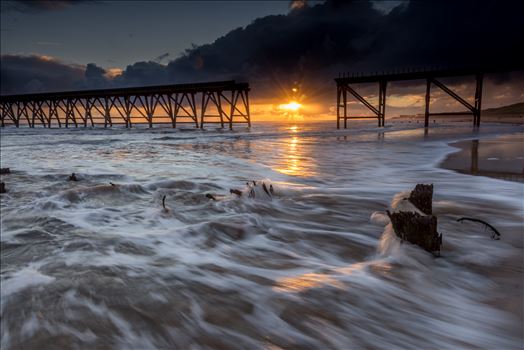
(291, 106)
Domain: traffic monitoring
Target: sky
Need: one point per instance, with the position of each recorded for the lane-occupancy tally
(274, 45)
(119, 33)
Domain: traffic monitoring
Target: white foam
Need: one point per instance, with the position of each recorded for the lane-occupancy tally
(22, 279)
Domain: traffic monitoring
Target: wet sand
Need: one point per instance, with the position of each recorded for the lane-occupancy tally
(501, 157)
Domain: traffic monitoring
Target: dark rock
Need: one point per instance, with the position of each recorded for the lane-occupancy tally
(417, 229)
(2, 187)
(73, 177)
(210, 196)
(422, 198)
(5, 171)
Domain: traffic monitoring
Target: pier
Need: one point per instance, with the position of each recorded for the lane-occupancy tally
(432, 78)
(222, 102)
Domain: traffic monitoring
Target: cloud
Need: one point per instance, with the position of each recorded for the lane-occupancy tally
(143, 73)
(95, 77)
(162, 57)
(312, 45)
(297, 4)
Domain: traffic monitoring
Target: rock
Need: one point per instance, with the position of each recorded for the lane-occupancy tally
(5, 171)
(2, 187)
(417, 229)
(422, 198)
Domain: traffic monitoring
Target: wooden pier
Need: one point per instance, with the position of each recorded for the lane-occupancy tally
(223, 102)
(344, 82)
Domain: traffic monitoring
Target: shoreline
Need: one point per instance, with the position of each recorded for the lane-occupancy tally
(500, 157)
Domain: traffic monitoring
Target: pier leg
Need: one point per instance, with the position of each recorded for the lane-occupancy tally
(232, 111)
(428, 94)
(345, 108)
(220, 112)
(478, 99)
(338, 107)
(203, 109)
(247, 109)
(382, 103)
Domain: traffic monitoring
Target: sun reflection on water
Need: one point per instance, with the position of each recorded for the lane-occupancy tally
(295, 157)
(333, 278)
(306, 281)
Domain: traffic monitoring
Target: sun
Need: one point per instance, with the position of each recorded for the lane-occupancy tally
(291, 106)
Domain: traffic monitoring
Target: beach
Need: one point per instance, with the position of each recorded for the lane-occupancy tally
(101, 263)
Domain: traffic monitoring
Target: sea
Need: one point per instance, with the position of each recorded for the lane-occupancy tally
(150, 248)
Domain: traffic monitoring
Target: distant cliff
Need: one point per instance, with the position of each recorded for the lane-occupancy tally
(517, 108)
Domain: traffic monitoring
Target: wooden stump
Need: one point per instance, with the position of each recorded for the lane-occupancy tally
(417, 229)
(422, 198)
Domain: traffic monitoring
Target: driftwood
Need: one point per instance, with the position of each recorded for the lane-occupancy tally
(417, 229)
(422, 198)
(5, 171)
(496, 233)
(2, 187)
(266, 190)
(235, 191)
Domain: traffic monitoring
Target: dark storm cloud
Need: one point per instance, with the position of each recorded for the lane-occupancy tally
(24, 74)
(38, 5)
(452, 33)
(313, 43)
(95, 77)
(309, 38)
(143, 73)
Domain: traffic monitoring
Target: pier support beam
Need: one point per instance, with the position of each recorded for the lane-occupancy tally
(478, 97)
(474, 109)
(382, 102)
(342, 109)
(427, 100)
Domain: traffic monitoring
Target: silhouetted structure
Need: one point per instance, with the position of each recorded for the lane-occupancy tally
(344, 81)
(221, 102)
